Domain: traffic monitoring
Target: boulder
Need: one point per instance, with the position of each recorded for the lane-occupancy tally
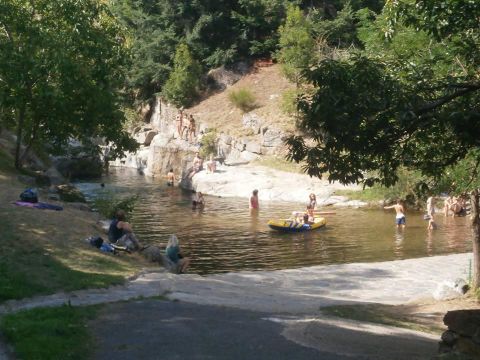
(272, 137)
(248, 156)
(153, 254)
(55, 177)
(463, 322)
(149, 137)
(253, 147)
(87, 167)
(225, 139)
(70, 193)
(27, 180)
(222, 77)
(252, 121)
(448, 290)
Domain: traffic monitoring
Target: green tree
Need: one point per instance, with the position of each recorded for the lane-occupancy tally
(61, 73)
(296, 44)
(184, 81)
(411, 104)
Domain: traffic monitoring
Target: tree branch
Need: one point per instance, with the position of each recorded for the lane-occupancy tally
(466, 88)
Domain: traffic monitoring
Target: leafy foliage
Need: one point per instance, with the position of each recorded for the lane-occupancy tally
(394, 105)
(242, 99)
(209, 144)
(109, 205)
(296, 44)
(61, 69)
(184, 81)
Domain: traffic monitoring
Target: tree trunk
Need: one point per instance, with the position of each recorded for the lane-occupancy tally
(20, 123)
(474, 197)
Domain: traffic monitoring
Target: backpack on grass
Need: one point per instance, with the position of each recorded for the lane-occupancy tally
(29, 195)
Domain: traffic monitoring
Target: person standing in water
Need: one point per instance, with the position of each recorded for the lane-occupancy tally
(170, 178)
(430, 212)
(254, 200)
(400, 213)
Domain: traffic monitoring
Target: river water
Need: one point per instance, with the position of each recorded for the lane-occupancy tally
(226, 237)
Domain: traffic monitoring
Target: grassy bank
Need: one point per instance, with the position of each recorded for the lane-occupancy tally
(44, 251)
(50, 333)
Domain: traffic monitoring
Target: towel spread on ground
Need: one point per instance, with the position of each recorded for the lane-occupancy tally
(39, 205)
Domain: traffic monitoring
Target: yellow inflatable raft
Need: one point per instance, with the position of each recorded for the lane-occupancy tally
(294, 226)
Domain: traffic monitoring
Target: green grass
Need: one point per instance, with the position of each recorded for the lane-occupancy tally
(279, 163)
(50, 333)
(27, 269)
(379, 314)
(367, 195)
(28, 273)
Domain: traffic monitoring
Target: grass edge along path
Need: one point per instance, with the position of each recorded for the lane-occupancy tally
(51, 333)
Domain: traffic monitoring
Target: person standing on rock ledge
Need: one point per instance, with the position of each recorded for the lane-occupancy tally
(254, 200)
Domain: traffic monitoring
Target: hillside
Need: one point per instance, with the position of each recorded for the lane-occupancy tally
(266, 83)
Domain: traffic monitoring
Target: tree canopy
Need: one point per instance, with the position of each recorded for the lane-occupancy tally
(61, 69)
(410, 99)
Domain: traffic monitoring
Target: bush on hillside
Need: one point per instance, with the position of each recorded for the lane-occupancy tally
(242, 99)
(289, 102)
(209, 144)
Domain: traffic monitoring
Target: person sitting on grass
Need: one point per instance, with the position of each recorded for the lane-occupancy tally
(120, 232)
(174, 254)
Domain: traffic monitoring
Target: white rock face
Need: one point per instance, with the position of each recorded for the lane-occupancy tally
(162, 150)
(272, 185)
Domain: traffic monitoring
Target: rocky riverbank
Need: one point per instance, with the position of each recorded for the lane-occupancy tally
(273, 185)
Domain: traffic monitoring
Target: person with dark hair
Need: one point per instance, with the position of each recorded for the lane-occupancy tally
(254, 200)
(120, 232)
(170, 178)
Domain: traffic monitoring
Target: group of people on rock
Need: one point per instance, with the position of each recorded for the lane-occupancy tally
(186, 126)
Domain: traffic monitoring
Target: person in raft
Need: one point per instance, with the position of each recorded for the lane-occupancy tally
(175, 256)
(170, 178)
(254, 200)
(120, 232)
(309, 215)
(400, 213)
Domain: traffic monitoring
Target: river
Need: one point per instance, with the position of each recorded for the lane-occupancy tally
(225, 237)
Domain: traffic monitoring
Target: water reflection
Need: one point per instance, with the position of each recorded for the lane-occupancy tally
(226, 236)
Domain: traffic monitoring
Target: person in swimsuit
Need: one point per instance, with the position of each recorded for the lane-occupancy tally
(313, 201)
(400, 213)
(186, 126)
(179, 121)
(430, 212)
(197, 165)
(254, 200)
(199, 201)
(191, 129)
(170, 178)
(447, 204)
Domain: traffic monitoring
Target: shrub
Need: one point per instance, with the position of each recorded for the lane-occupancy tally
(288, 103)
(242, 99)
(108, 205)
(209, 144)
